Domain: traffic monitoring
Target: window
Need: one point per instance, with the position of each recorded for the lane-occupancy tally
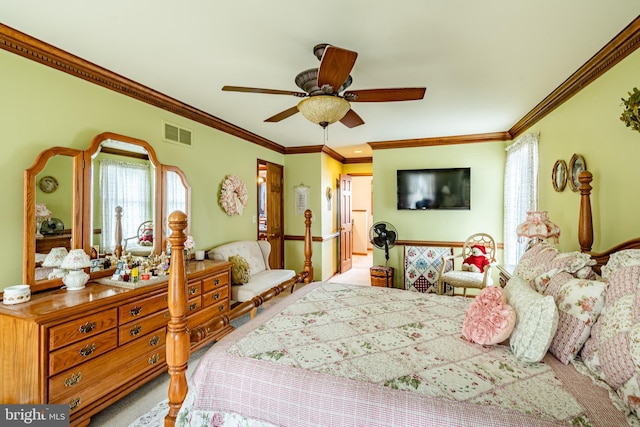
(520, 192)
(127, 185)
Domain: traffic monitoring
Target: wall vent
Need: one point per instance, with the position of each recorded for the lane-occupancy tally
(177, 135)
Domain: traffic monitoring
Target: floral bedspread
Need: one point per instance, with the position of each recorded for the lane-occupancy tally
(403, 346)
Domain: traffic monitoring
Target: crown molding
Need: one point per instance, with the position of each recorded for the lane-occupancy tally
(11, 40)
(443, 140)
(36, 50)
(627, 41)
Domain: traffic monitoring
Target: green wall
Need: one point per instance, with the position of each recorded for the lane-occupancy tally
(41, 107)
(486, 161)
(589, 124)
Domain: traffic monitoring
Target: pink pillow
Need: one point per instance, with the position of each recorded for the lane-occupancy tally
(489, 319)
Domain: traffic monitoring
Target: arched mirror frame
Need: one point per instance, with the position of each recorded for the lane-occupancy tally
(89, 154)
(81, 223)
(29, 239)
(166, 169)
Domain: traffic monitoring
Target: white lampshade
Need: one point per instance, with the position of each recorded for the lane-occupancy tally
(54, 257)
(538, 226)
(76, 260)
(324, 109)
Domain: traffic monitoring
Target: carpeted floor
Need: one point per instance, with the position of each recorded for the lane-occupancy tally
(141, 408)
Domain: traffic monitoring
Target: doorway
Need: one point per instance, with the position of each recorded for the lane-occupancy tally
(270, 210)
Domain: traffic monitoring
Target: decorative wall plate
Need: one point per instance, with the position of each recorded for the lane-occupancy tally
(577, 164)
(559, 175)
(48, 184)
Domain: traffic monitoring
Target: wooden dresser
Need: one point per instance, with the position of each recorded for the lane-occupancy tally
(90, 347)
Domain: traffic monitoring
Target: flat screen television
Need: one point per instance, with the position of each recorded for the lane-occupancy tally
(425, 189)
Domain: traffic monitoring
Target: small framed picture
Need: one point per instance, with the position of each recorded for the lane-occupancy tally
(559, 175)
(577, 164)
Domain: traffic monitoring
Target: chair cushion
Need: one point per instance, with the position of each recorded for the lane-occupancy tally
(260, 282)
(465, 279)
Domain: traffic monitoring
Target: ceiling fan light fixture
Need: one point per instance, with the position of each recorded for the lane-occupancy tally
(324, 109)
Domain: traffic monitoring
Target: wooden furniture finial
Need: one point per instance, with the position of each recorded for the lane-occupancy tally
(308, 266)
(118, 249)
(585, 221)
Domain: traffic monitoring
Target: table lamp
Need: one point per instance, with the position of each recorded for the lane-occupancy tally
(42, 213)
(76, 260)
(54, 259)
(538, 227)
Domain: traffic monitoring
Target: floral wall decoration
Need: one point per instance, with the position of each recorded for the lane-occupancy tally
(233, 195)
(631, 113)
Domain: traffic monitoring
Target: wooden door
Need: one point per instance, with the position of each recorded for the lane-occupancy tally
(275, 214)
(346, 224)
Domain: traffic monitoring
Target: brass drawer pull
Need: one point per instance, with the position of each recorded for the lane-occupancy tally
(73, 379)
(221, 308)
(154, 359)
(135, 330)
(74, 403)
(87, 327)
(167, 315)
(216, 296)
(88, 350)
(216, 281)
(193, 290)
(193, 306)
(154, 341)
(135, 311)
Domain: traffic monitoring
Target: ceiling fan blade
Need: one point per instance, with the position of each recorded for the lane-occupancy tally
(283, 115)
(387, 95)
(351, 119)
(260, 90)
(335, 66)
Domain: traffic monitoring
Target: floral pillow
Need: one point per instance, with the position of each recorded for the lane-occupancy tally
(536, 320)
(579, 304)
(540, 263)
(620, 259)
(489, 319)
(240, 271)
(612, 353)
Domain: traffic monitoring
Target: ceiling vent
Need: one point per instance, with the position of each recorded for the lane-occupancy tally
(177, 135)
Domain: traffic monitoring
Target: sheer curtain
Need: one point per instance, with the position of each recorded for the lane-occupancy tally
(175, 197)
(127, 185)
(520, 192)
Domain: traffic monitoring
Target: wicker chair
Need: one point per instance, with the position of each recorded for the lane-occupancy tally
(468, 279)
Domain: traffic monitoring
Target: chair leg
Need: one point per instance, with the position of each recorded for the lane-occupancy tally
(253, 312)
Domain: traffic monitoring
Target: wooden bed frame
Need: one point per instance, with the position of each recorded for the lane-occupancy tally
(179, 337)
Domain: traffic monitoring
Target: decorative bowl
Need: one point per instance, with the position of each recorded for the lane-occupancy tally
(16, 294)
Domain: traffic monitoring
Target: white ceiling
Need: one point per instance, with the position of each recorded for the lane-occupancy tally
(485, 64)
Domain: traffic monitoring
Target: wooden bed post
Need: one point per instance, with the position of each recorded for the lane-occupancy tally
(118, 249)
(178, 342)
(308, 266)
(585, 222)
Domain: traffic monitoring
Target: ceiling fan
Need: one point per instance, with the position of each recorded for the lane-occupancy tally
(326, 99)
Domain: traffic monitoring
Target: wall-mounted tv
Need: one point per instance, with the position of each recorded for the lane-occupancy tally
(423, 189)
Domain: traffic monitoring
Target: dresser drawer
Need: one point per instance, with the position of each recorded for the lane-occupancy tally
(82, 351)
(194, 288)
(194, 305)
(93, 391)
(73, 380)
(136, 329)
(215, 296)
(214, 282)
(208, 313)
(141, 308)
(80, 329)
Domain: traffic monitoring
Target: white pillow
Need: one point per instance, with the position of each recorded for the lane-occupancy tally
(620, 259)
(536, 320)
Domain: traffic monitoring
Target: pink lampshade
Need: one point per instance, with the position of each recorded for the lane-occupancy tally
(538, 226)
(42, 211)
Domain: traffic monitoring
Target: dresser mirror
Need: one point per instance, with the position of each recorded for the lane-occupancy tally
(85, 199)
